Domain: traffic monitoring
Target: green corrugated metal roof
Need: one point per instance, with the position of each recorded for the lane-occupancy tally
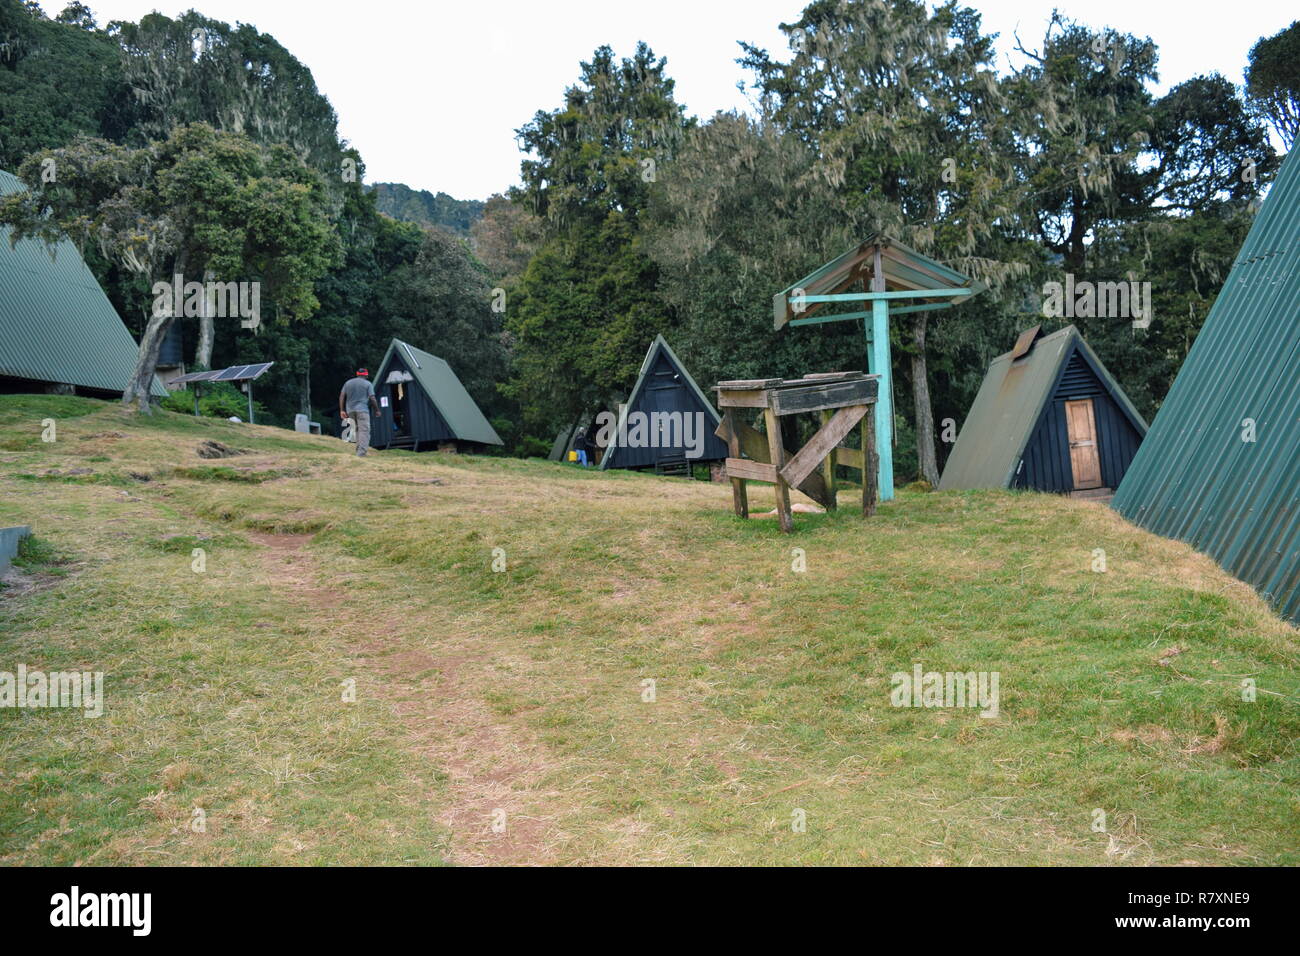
(445, 390)
(1009, 403)
(1194, 477)
(56, 324)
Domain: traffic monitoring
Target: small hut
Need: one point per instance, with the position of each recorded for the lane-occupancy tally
(424, 406)
(667, 424)
(1049, 417)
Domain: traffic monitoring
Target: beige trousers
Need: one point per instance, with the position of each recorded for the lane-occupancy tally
(362, 419)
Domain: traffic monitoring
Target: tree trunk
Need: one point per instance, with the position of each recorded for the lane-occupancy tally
(203, 352)
(139, 387)
(304, 390)
(926, 462)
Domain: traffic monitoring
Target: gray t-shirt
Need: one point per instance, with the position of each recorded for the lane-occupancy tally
(357, 393)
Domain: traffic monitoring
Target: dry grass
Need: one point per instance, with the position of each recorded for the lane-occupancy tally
(500, 716)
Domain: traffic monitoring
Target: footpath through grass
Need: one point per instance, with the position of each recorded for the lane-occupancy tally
(311, 659)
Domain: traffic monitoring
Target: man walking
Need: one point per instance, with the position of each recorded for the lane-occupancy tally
(357, 393)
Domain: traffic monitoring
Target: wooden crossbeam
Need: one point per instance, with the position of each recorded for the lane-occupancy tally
(816, 396)
(751, 442)
(748, 468)
(822, 443)
(849, 457)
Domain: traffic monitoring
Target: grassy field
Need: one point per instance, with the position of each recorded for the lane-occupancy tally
(501, 716)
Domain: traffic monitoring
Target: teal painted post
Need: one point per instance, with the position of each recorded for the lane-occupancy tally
(878, 362)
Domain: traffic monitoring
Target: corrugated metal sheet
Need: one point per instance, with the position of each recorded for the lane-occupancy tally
(664, 385)
(450, 411)
(56, 324)
(1017, 416)
(1195, 478)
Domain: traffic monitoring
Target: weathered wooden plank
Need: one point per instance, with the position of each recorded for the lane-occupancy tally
(849, 457)
(814, 398)
(748, 468)
(754, 445)
(742, 399)
(749, 383)
(822, 443)
(777, 448)
(828, 376)
(739, 496)
(828, 468)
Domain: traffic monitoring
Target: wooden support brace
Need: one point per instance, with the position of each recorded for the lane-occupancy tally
(747, 468)
(823, 443)
(849, 457)
(754, 445)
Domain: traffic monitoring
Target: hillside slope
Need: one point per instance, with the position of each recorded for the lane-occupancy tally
(503, 716)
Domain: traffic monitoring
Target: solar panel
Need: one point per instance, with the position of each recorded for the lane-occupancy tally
(236, 373)
(256, 371)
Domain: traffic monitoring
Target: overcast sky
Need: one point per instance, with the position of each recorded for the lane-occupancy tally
(432, 92)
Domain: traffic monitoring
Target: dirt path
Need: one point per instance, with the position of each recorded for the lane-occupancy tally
(498, 812)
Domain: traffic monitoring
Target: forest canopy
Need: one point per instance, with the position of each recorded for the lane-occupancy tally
(633, 218)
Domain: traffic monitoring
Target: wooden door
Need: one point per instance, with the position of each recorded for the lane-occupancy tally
(1085, 460)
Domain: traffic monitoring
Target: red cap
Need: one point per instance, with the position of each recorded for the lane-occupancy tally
(363, 371)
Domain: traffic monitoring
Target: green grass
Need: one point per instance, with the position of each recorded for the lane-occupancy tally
(521, 690)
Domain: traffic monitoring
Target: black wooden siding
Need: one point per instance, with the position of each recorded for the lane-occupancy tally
(1046, 459)
(664, 391)
(427, 426)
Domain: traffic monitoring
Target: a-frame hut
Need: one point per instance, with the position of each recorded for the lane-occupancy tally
(653, 424)
(1048, 417)
(424, 406)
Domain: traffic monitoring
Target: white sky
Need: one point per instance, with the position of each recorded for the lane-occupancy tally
(432, 92)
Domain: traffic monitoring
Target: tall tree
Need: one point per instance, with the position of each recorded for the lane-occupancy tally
(174, 207)
(1273, 81)
(505, 237)
(1096, 148)
(585, 308)
(905, 109)
(193, 69)
(58, 79)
